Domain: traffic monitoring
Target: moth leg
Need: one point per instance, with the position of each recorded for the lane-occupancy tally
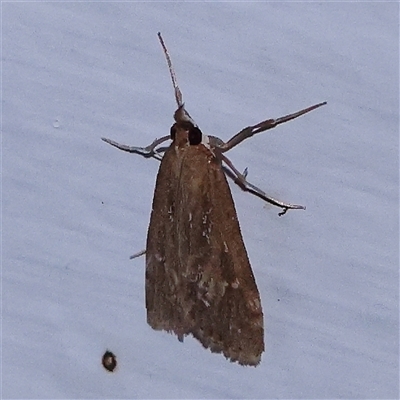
(149, 151)
(138, 254)
(263, 126)
(240, 180)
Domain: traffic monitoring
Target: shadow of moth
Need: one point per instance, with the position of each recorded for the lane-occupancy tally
(198, 276)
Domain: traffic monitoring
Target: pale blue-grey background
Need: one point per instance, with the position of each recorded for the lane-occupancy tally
(74, 208)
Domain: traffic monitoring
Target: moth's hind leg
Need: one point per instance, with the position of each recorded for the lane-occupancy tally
(240, 180)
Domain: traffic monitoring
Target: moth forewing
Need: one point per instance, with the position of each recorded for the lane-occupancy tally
(198, 276)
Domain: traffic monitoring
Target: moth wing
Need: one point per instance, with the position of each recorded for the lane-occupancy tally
(198, 277)
(161, 239)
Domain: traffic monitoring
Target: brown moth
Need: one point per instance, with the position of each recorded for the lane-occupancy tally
(198, 276)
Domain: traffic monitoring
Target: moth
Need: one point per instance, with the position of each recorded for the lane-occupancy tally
(198, 276)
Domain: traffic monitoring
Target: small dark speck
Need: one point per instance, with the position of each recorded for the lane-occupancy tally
(109, 361)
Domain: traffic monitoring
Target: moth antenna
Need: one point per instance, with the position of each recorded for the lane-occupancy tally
(178, 93)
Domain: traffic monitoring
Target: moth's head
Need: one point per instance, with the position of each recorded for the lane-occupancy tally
(185, 130)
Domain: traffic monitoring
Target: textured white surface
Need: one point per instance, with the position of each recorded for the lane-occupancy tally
(74, 208)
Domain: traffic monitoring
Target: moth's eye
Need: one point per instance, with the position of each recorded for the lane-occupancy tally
(195, 135)
(172, 132)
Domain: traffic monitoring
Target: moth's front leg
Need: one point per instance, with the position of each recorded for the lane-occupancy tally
(149, 151)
